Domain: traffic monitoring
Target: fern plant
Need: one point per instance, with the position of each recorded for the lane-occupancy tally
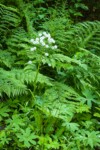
(49, 80)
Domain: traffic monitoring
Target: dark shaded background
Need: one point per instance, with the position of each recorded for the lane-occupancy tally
(94, 10)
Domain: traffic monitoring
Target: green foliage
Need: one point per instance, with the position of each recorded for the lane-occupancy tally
(9, 84)
(85, 36)
(75, 8)
(49, 81)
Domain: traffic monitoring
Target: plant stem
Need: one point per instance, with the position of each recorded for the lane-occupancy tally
(37, 72)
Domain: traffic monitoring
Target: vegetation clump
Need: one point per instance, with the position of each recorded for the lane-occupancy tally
(49, 76)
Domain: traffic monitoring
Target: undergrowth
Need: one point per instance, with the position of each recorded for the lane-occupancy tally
(49, 77)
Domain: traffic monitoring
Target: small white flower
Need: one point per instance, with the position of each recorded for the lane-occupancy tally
(42, 43)
(42, 38)
(49, 64)
(46, 54)
(33, 49)
(36, 42)
(55, 46)
(37, 39)
(52, 47)
(53, 41)
(43, 61)
(50, 40)
(32, 40)
(48, 35)
(29, 62)
(40, 34)
(47, 46)
(44, 33)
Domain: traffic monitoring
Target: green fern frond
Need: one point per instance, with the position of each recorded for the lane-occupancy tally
(29, 76)
(6, 59)
(9, 17)
(18, 41)
(58, 28)
(10, 85)
(19, 35)
(61, 92)
(84, 35)
(13, 82)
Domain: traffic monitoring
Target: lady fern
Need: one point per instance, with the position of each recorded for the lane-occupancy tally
(9, 19)
(85, 36)
(50, 80)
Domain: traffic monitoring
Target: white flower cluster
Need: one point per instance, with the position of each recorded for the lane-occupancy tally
(43, 39)
(33, 49)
